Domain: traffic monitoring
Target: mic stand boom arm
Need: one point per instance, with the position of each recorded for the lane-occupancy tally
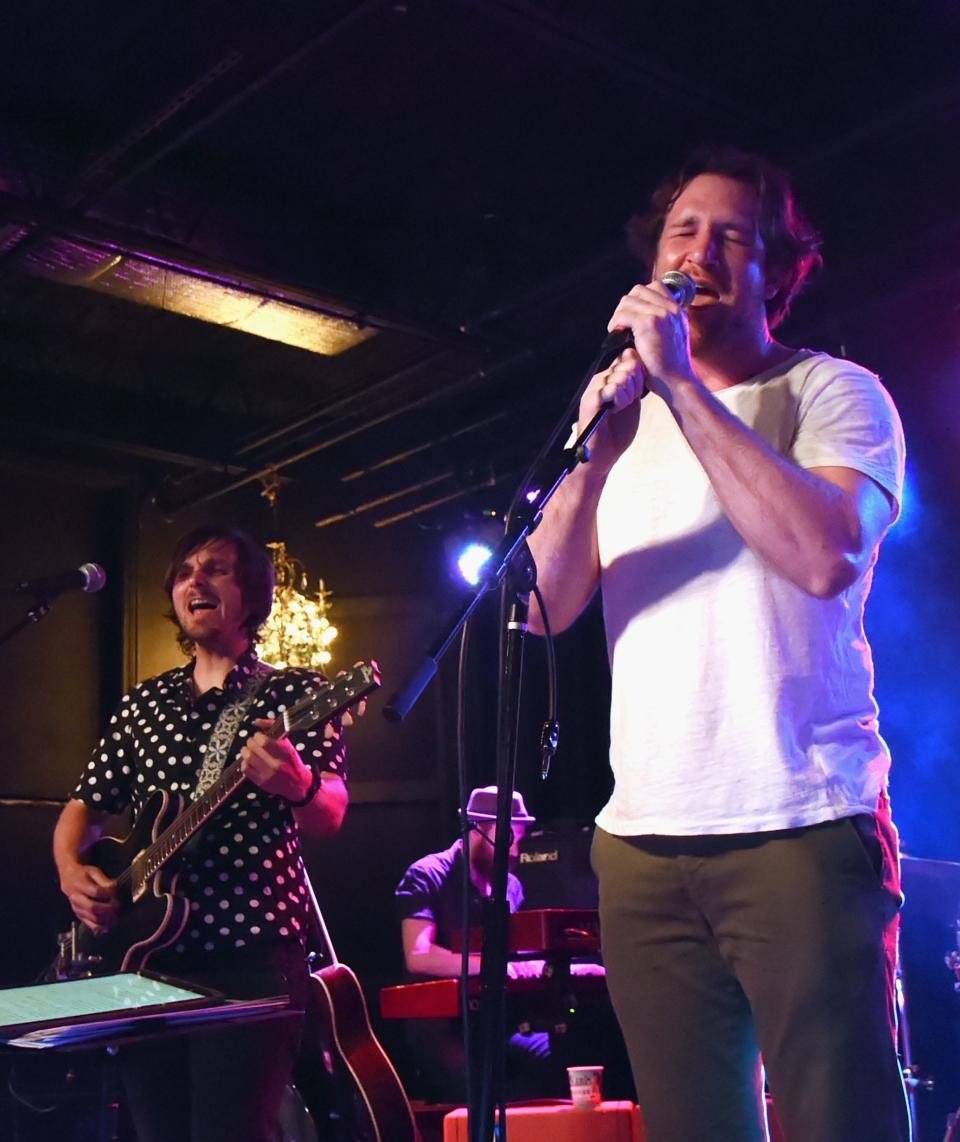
(548, 471)
(39, 610)
(555, 466)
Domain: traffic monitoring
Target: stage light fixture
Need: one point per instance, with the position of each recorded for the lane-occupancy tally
(219, 296)
(471, 560)
(911, 509)
(470, 544)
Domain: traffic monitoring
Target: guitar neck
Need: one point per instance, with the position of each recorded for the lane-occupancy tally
(175, 836)
(315, 708)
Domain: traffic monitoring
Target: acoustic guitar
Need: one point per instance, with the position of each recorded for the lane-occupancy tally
(344, 1075)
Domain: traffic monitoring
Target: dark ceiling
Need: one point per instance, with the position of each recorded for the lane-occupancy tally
(451, 175)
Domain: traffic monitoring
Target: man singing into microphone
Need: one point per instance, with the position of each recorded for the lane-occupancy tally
(748, 867)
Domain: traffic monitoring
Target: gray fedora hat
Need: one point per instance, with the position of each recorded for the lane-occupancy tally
(482, 806)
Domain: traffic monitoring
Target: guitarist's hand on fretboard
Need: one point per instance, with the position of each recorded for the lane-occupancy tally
(274, 764)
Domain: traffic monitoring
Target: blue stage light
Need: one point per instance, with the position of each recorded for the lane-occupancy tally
(911, 509)
(471, 559)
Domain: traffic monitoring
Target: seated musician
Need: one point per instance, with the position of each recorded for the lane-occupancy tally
(243, 874)
(429, 904)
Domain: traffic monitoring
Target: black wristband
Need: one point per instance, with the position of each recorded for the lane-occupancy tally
(311, 792)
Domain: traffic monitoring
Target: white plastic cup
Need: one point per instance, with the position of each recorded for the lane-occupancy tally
(586, 1086)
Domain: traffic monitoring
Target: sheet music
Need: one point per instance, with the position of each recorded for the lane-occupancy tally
(71, 999)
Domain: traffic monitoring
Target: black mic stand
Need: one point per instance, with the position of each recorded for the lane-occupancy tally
(40, 608)
(511, 560)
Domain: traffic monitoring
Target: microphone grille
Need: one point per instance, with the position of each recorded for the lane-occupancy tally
(94, 577)
(681, 286)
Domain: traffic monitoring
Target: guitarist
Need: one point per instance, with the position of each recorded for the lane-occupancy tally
(243, 873)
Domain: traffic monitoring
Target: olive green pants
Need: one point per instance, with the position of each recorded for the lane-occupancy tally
(721, 949)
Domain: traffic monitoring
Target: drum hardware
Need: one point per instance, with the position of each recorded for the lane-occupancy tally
(914, 1080)
(952, 959)
(929, 948)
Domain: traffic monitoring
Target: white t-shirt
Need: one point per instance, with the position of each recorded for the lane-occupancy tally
(740, 703)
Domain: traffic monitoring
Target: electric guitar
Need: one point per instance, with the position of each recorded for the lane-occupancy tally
(153, 913)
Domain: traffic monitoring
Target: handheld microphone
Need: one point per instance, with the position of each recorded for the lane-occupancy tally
(679, 286)
(89, 577)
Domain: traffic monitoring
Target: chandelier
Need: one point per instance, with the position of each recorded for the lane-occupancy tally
(298, 632)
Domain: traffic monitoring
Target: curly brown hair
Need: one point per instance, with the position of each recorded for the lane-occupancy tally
(791, 241)
(254, 573)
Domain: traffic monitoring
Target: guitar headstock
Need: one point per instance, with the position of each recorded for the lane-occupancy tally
(331, 699)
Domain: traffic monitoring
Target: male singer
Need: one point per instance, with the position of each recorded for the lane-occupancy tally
(748, 866)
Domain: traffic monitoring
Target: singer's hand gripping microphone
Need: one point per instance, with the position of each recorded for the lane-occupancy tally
(679, 286)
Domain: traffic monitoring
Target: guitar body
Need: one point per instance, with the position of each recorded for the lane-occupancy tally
(156, 918)
(342, 1061)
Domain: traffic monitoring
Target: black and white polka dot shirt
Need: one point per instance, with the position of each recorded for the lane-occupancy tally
(243, 874)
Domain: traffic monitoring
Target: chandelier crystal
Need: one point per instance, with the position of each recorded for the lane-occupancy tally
(298, 632)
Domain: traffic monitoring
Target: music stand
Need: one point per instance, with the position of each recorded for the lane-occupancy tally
(101, 1010)
(104, 1012)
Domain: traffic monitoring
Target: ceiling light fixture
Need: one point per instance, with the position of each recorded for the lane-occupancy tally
(205, 294)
